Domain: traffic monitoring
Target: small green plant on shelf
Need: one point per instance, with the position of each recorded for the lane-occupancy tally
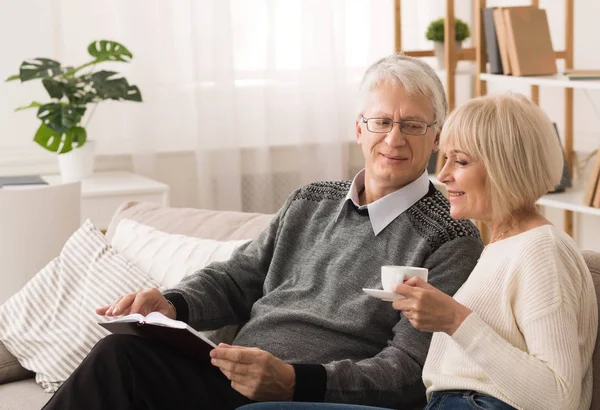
(72, 90)
(435, 30)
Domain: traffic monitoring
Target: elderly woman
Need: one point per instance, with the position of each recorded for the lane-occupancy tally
(521, 330)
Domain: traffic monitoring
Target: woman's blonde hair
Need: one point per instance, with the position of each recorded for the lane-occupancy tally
(516, 143)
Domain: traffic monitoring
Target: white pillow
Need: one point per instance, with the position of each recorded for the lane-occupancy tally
(50, 324)
(168, 258)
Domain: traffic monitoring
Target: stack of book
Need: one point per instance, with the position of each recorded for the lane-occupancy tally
(517, 41)
(591, 197)
(582, 74)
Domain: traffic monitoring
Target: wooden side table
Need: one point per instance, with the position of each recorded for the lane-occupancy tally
(103, 192)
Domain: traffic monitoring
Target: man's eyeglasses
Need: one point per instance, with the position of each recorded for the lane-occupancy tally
(409, 127)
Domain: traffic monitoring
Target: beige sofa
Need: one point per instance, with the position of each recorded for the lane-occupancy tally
(24, 394)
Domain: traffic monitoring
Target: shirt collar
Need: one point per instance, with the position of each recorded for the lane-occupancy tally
(383, 211)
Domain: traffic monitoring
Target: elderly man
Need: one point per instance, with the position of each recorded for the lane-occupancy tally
(308, 332)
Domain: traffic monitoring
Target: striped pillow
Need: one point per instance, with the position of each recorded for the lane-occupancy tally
(50, 325)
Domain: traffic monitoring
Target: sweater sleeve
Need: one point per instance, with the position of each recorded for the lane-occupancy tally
(392, 378)
(547, 283)
(223, 292)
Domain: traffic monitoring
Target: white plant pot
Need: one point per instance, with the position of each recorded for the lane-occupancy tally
(77, 164)
(440, 53)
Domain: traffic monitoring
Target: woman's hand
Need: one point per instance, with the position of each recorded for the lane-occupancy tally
(429, 309)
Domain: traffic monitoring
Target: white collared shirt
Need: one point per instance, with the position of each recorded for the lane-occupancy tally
(386, 209)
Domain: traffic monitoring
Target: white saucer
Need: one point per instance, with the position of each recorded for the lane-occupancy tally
(382, 294)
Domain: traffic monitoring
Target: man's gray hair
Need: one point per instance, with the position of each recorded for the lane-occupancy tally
(417, 77)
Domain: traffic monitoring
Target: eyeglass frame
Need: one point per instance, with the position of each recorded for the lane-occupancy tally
(365, 121)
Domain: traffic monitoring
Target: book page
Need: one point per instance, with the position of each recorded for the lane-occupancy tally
(158, 318)
(157, 326)
(135, 317)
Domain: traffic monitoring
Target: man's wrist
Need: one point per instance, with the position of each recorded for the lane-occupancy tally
(290, 381)
(180, 305)
(172, 311)
(311, 382)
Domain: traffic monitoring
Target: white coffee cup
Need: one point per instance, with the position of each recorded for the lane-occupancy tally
(391, 275)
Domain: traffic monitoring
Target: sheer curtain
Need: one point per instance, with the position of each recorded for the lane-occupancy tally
(262, 91)
(275, 90)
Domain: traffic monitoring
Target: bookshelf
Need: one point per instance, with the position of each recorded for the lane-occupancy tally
(450, 54)
(572, 200)
(451, 69)
(557, 80)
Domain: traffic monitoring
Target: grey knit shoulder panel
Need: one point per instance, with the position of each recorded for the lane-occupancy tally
(318, 191)
(431, 217)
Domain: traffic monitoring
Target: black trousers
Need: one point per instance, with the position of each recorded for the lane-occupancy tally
(128, 372)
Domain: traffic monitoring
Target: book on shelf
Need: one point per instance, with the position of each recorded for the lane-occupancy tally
(574, 74)
(529, 44)
(565, 180)
(491, 41)
(156, 326)
(592, 182)
(498, 17)
(500, 27)
(596, 200)
(22, 180)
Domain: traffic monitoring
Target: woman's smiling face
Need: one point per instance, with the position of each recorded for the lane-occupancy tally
(465, 179)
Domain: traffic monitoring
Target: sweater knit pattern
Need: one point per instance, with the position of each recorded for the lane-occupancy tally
(319, 191)
(297, 290)
(531, 334)
(426, 215)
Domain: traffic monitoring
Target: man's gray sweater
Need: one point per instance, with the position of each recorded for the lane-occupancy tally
(298, 289)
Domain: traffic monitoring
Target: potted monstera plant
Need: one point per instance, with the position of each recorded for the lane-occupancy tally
(435, 33)
(72, 91)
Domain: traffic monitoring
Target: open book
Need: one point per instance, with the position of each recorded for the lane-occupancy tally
(157, 326)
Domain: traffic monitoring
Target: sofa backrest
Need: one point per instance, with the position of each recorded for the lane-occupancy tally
(592, 259)
(198, 223)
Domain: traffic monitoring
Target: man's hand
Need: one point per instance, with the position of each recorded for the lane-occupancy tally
(429, 309)
(255, 373)
(143, 302)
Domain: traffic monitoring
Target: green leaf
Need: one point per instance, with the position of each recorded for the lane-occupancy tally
(60, 117)
(34, 104)
(78, 135)
(39, 68)
(79, 90)
(108, 87)
(105, 50)
(435, 30)
(13, 78)
(48, 138)
(55, 88)
(133, 94)
(67, 145)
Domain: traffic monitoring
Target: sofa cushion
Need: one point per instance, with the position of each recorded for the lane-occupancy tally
(50, 325)
(10, 368)
(168, 258)
(22, 395)
(592, 259)
(199, 223)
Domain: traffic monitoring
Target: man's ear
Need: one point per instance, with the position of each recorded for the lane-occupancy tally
(436, 142)
(358, 131)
